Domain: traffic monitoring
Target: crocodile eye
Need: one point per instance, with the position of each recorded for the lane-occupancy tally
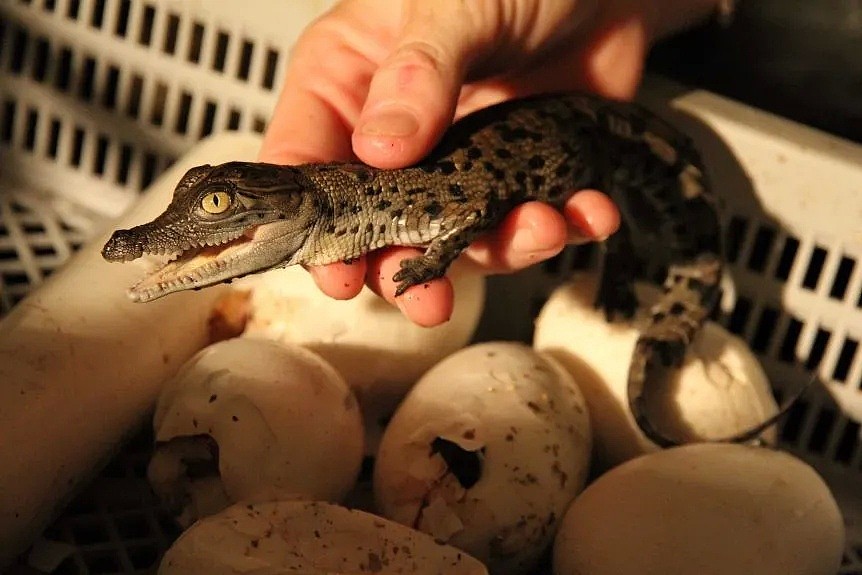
(216, 202)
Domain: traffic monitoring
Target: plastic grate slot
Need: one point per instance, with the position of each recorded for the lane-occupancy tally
(787, 351)
(737, 229)
(818, 348)
(244, 66)
(125, 164)
(786, 259)
(182, 124)
(172, 28)
(44, 251)
(148, 173)
(49, 5)
(101, 157)
(134, 526)
(220, 54)
(763, 242)
(63, 77)
(97, 16)
(765, 329)
(145, 34)
(270, 69)
(842, 278)
(233, 119)
(196, 43)
(2, 37)
(848, 442)
(88, 530)
(157, 110)
(112, 81)
(208, 120)
(33, 227)
(41, 60)
(815, 268)
(103, 561)
(133, 106)
(30, 131)
(87, 87)
(77, 147)
(823, 426)
(121, 27)
(793, 422)
(845, 358)
(259, 124)
(19, 50)
(7, 129)
(73, 9)
(738, 318)
(53, 138)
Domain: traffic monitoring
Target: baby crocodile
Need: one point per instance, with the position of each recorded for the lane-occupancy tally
(238, 218)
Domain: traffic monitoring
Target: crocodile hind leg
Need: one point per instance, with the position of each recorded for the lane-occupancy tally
(616, 294)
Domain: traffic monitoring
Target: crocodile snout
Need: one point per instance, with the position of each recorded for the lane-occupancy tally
(123, 246)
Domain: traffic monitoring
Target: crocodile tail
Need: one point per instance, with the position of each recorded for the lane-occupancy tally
(691, 291)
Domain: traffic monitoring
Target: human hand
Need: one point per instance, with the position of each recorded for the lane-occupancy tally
(381, 81)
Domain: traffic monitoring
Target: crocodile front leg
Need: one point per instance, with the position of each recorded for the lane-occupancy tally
(439, 255)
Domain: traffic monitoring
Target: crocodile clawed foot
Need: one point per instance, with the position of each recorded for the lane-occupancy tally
(415, 271)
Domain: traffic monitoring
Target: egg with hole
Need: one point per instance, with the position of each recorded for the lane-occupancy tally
(254, 420)
(485, 453)
(720, 389)
(371, 343)
(310, 538)
(705, 509)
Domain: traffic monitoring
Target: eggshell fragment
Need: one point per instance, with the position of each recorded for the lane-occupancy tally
(720, 389)
(710, 509)
(311, 538)
(376, 349)
(254, 420)
(485, 453)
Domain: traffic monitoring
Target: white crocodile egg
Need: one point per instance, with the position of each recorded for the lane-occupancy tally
(485, 453)
(719, 390)
(705, 509)
(371, 343)
(254, 420)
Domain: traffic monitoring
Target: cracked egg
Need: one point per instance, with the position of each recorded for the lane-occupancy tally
(485, 453)
(310, 538)
(720, 389)
(254, 420)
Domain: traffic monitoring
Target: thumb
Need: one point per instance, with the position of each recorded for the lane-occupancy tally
(412, 96)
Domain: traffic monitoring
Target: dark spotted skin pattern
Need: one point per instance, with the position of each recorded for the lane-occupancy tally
(539, 148)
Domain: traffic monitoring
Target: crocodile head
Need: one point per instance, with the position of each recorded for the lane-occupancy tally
(224, 222)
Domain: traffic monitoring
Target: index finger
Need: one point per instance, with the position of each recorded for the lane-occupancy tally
(313, 122)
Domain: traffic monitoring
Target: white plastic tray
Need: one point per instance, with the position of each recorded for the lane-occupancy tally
(97, 97)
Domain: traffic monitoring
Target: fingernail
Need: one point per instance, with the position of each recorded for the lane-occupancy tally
(397, 123)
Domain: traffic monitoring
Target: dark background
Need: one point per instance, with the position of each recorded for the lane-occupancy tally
(801, 59)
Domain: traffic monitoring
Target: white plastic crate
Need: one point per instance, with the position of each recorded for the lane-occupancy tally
(97, 97)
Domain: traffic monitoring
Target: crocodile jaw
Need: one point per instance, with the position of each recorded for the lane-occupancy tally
(256, 250)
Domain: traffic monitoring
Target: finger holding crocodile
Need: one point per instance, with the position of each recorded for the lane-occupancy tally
(340, 280)
(534, 232)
